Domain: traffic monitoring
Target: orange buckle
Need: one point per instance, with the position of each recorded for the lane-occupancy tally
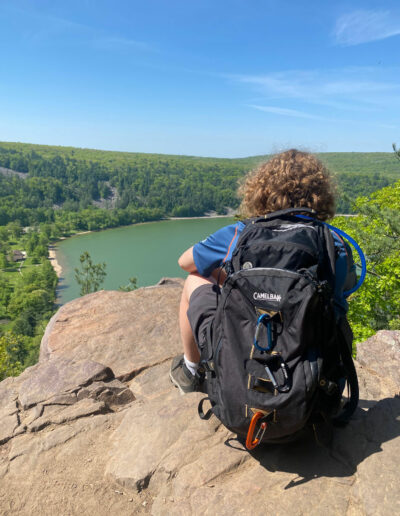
(250, 443)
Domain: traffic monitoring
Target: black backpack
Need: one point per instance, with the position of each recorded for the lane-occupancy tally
(277, 359)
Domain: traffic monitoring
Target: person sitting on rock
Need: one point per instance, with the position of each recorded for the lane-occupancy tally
(291, 179)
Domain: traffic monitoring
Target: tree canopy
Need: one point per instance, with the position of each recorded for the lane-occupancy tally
(82, 189)
(376, 228)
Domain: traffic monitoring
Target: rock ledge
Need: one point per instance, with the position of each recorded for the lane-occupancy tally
(96, 426)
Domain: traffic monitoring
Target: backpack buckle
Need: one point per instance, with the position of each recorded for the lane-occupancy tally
(285, 387)
(208, 366)
(250, 442)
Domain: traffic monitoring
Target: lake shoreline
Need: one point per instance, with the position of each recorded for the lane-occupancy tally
(202, 217)
(52, 248)
(147, 252)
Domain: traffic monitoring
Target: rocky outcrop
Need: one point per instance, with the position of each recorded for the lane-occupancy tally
(128, 332)
(96, 426)
(9, 172)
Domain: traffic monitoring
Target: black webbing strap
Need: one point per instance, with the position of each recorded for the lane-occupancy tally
(216, 287)
(349, 408)
(206, 351)
(285, 213)
(330, 254)
(200, 410)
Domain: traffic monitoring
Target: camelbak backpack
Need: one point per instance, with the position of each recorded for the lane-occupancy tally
(277, 358)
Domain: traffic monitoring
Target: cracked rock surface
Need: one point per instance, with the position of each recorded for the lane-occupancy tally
(96, 426)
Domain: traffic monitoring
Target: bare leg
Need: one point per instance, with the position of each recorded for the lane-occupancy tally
(193, 281)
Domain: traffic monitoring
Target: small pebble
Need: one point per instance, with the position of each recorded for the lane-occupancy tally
(144, 504)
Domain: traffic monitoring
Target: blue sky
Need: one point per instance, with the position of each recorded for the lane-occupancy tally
(209, 78)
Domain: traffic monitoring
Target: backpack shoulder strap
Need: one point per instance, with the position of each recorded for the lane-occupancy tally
(329, 250)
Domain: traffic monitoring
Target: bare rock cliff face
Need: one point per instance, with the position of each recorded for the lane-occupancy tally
(96, 426)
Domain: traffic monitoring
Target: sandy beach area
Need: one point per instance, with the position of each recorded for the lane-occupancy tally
(54, 262)
(211, 215)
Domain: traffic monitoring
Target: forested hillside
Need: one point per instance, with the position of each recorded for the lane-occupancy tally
(84, 189)
(49, 192)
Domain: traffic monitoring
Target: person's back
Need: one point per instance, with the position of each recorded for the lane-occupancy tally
(289, 180)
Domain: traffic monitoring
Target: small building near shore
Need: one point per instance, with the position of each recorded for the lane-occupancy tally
(18, 256)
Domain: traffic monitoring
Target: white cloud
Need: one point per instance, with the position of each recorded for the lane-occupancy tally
(286, 112)
(363, 26)
(117, 43)
(349, 89)
(367, 95)
(46, 26)
(301, 114)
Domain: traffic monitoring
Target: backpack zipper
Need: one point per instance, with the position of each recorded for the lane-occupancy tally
(259, 269)
(272, 243)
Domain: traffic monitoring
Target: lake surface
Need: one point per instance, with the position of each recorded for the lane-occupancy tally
(147, 251)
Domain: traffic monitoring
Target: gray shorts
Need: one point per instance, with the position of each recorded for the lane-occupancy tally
(202, 307)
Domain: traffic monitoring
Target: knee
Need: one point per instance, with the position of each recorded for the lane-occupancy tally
(193, 281)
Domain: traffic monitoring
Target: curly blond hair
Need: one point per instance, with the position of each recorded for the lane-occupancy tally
(291, 179)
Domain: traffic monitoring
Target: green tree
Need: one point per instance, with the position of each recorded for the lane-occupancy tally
(376, 228)
(3, 260)
(34, 302)
(10, 346)
(15, 229)
(49, 276)
(396, 151)
(45, 229)
(3, 234)
(132, 285)
(40, 252)
(33, 241)
(5, 290)
(90, 276)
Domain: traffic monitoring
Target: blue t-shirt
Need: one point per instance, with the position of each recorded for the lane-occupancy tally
(216, 249)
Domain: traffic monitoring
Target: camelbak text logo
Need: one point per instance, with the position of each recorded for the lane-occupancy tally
(266, 296)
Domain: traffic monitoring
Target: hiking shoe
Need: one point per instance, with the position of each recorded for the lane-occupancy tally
(182, 378)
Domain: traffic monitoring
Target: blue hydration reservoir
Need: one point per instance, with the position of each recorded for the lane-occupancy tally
(347, 237)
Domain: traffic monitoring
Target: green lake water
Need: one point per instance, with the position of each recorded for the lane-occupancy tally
(147, 251)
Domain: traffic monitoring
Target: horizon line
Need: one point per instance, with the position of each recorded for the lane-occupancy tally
(300, 147)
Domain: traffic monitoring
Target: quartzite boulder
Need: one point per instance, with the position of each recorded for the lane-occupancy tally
(44, 380)
(77, 440)
(381, 356)
(127, 331)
